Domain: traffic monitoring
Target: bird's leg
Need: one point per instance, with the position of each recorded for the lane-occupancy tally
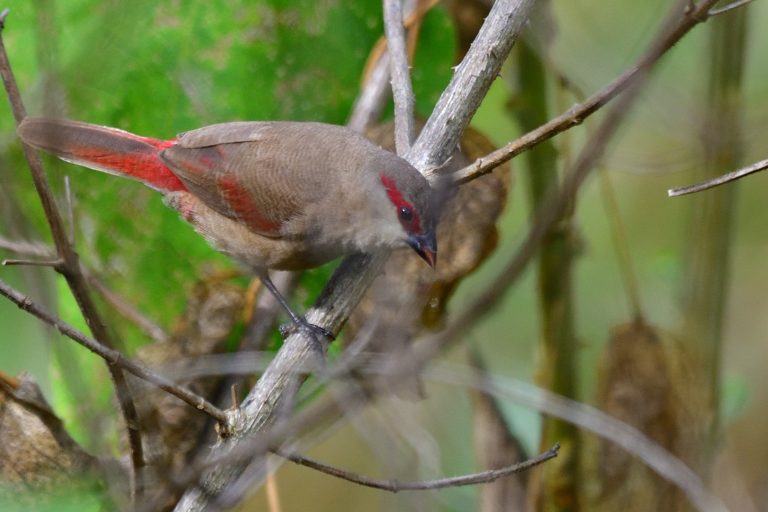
(298, 320)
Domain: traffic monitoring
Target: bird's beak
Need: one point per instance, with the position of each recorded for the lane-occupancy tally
(425, 246)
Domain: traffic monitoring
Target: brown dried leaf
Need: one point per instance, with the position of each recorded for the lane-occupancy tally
(36, 452)
(636, 385)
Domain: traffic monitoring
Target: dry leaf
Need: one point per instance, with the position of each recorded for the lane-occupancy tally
(37, 455)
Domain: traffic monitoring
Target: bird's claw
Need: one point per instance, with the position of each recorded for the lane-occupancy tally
(314, 330)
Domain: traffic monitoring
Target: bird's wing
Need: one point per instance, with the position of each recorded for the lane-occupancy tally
(247, 171)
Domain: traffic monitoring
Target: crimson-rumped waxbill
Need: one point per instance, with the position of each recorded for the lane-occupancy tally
(271, 195)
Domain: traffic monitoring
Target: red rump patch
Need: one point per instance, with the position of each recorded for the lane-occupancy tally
(242, 205)
(394, 194)
(142, 163)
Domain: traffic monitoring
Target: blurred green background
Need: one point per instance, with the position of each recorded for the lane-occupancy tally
(162, 67)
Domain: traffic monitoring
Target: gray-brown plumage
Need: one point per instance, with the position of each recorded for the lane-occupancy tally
(272, 195)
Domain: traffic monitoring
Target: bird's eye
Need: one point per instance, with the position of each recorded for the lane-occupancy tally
(406, 214)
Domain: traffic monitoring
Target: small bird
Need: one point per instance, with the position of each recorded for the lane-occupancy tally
(271, 195)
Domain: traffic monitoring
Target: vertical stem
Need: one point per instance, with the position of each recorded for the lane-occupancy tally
(709, 230)
(558, 482)
(402, 92)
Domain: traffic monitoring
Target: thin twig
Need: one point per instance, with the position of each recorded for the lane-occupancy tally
(720, 180)
(25, 248)
(392, 485)
(132, 314)
(33, 263)
(114, 357)
(70, 210)
(729, 7)
(372, 98)
(70, 269)
(402, 91)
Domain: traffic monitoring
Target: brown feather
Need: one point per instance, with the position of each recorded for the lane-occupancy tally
(264, 173)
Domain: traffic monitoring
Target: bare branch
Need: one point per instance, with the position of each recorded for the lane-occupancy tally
(482, 477)
(114, 357)
(402, 92)
(674, 28)
(34, 263)
(375, 89)
(733, 5)
(372, 98)
(720, 180)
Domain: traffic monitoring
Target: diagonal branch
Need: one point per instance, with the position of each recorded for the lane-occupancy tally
(70, 265)
(469, 85)
(114, 357)
(720, 180)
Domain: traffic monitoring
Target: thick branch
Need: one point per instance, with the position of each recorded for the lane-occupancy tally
(469, 84)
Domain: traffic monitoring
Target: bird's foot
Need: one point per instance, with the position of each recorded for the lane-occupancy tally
(301, 323)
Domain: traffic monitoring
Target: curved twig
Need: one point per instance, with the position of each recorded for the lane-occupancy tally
(720, 180)
(482, 477)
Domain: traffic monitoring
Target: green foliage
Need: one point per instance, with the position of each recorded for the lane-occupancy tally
(84, 497)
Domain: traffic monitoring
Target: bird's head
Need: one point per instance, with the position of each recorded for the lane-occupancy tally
(411, 201)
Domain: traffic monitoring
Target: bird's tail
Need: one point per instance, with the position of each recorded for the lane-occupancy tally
(103, 149)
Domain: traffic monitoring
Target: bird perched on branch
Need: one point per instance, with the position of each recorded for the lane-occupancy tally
(271, 195)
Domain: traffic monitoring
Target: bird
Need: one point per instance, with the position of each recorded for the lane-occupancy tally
(271, 195)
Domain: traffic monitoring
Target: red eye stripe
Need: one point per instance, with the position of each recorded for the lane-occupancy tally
(397, 199)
